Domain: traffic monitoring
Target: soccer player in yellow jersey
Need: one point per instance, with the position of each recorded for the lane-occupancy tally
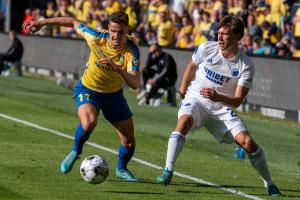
(114, 59)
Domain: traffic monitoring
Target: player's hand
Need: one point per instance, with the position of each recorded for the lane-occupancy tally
(32, 26)
(108, 62)
(182, 92)
(210, 93)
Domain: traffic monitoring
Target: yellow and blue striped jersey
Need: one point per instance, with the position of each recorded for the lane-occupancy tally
(100, 77)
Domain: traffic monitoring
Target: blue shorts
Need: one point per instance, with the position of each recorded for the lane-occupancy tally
(113, 105)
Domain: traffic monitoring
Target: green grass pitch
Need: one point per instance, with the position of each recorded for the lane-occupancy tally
(30, 158)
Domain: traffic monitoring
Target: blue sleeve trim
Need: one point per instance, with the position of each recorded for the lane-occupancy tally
(92, 31)
(136, 55)
(135, 68)
(134, 49)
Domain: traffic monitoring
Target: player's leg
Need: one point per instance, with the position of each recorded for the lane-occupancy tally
(88, 114)
(257, 160)
(227, 121)
(125, 131)
(175, 146)
(116, 111)
(177, 139)
(191, 114)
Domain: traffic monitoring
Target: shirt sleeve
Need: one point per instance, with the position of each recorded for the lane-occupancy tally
(246, 79)
(133, 63)
(198, 54)
(90, 34)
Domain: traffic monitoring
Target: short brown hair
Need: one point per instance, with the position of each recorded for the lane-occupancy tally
(119, 18)
(234, 23)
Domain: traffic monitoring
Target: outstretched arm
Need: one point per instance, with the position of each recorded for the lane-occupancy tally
(188, 75)
(35, 26)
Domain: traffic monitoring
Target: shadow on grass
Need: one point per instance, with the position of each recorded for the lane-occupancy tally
(264, 193)
(143, 181)
(296, 193)
(199, 185)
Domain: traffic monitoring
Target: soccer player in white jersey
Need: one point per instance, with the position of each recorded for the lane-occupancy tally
(217, 79)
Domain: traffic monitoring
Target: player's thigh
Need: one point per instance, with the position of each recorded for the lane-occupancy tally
(192, 108)
(114, 107)
(88, 115)
(184, 124)
(87, 106)
(224, 124)
(125, 131)
(84, 95)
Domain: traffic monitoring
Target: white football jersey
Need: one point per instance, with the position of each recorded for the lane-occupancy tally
(214, 71)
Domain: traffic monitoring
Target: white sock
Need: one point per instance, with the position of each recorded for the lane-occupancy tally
(175, 145)
(258, 161)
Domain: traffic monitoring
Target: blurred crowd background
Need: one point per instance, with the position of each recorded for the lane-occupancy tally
(272, 27)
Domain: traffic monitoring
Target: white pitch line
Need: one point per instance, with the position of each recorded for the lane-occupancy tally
(198, 180)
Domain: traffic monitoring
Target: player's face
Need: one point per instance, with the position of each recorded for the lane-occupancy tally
(227, 39)
(117, 34)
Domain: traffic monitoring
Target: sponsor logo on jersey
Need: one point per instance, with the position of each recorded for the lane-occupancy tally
(121, 59)
(215, 77)
(103, 66)
(234, 72)
(181, 104)
(101, 53)
(234, 119)
(209, 60)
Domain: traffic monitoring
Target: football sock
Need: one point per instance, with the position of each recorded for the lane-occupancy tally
(81, 136)
(258, 161)
(125, 154)
(175, 145)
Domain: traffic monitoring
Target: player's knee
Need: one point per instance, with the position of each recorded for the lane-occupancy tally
(184, 124)
(89, 124)
(130, 143)
(251, 146)
(248, 144)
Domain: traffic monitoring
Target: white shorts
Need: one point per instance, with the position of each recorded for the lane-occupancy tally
(222, 122)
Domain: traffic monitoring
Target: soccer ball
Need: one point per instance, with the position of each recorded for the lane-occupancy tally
(94, 169)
